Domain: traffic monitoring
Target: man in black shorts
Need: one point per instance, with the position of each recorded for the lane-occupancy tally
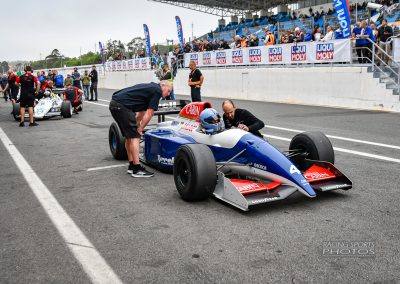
(195, 81)
(241, 118)
(132, 108)
(27, 82)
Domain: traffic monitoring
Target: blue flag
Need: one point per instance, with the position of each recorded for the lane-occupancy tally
(180, 32)
(343, 16)
(101, 52)
(147, 36)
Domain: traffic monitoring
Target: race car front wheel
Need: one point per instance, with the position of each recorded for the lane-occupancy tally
(16, 114)
(66, 109)
(195, 172)
(116, 142)
(313, 145)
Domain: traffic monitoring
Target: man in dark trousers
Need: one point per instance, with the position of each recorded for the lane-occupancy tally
(74, 95)
(94, 79)
(241, 118)
(132, 108)
(11, 87)
(195, 81)
(27, 82)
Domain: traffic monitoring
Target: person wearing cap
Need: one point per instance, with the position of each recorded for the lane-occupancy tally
(94, 79)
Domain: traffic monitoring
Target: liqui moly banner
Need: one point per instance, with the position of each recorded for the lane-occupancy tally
(101, 52)
(128, 65)
(343, 16)
(307, 52)
(180, 31)
(147, 36)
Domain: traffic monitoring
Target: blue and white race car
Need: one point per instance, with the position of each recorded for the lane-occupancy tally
(233, 165)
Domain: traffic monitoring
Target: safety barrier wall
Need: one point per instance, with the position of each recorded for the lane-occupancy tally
(343, 87)
(304, 52)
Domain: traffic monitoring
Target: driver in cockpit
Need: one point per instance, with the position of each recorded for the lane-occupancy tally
(211, 122)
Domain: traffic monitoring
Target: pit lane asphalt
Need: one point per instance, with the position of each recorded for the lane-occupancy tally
(146, 233)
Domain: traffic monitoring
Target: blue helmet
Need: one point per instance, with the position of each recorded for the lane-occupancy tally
(211, 120)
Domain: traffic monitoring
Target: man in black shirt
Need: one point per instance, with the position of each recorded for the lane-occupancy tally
(94, 79)
(195, 81)
(384, 33)
(241, 118)
(29, 88)
(132, 108)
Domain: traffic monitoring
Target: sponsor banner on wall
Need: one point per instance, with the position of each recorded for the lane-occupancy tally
(310, 52)
(128, 65)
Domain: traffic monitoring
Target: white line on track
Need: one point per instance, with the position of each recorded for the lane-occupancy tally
(339, 137)
(357, 153)
(92, 262)
(106, 167)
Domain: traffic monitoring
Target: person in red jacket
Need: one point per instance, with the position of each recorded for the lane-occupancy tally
(74, 95)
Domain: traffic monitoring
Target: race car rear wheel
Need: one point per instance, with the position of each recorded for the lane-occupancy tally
(313, 145)
(16, 114)
(117, 142)
(66, 109)
(195, 172)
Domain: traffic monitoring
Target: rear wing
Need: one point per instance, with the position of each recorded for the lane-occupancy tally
(166, 107)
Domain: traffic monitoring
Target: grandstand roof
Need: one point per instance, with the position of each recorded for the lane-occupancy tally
(226, 7)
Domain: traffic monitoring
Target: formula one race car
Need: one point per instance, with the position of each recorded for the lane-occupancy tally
(50, 105)
(233, 165)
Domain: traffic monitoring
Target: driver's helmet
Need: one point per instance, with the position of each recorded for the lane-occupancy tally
(47, 93)
(211, 120)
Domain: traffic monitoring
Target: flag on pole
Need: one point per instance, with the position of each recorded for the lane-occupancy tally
(343, 16)
(180, 32)
(147, 36)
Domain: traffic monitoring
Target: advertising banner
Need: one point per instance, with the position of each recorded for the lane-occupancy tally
(128, 65)
(147, 36)
(308, 52)
(343, 16)
(180, 31)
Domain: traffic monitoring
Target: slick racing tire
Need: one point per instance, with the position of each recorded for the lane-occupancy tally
(195, 172)
(16, 114)
(116, 142)
(315, 144)
(66, 109)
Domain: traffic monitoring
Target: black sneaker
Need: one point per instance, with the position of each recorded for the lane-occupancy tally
(22, 124)
(34, 124)
(130, 169)
(142, 172)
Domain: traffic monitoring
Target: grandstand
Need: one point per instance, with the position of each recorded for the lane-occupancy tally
(257, 16)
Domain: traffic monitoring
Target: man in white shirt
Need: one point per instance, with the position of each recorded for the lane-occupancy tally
(330, 35)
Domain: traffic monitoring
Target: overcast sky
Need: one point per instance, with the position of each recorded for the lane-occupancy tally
(34, 28)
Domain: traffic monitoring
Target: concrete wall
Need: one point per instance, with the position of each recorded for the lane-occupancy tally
(343, 87)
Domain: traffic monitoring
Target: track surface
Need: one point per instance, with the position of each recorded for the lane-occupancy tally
(146, 233)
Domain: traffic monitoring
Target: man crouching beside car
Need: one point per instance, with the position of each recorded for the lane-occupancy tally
(132, 108)
(74, 95)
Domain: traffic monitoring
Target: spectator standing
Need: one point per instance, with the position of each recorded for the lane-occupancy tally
(3, 84)
(316, 35)
(29, 88)
(76, 77)
(68, 80)
(58, 80)
(195, 81)
(94, 79)
(166, 74)
(366, 33)
(330, 35)
(359, 48)
(270, 38)
(223, 45)
(86, 84)
(384, 33)
(174, 66)
(11, 87)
